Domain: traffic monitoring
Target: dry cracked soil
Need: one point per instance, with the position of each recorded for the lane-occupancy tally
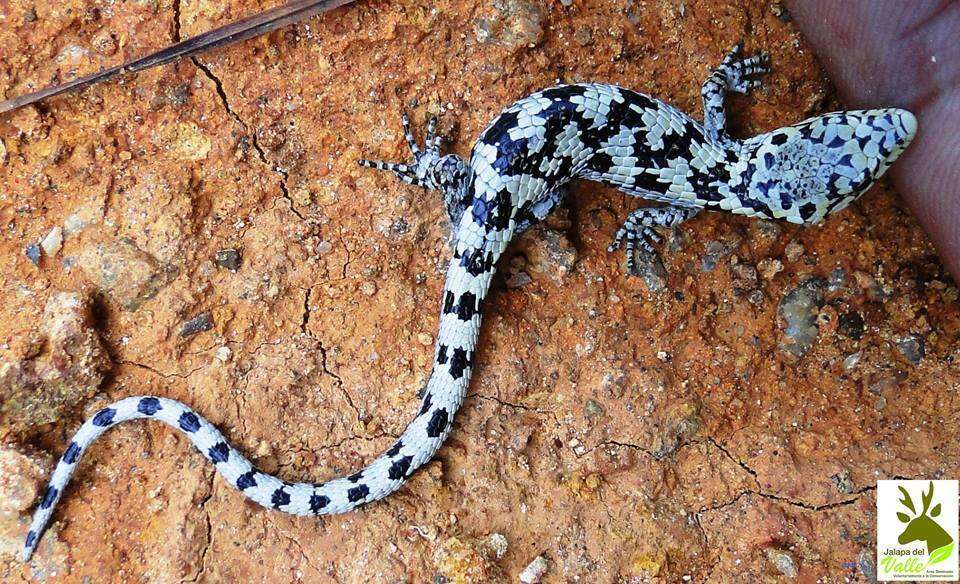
(202, 231)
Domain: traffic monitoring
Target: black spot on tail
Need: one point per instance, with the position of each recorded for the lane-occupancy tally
(246, 480)
(280, 498)
(437, 423)
(31, 539)
(807, 210)
(442, 354)
(427, 402)
(459, 362)
(318, 502)
(448, 299)
(148, 406)
(358, 493)
(468, 306)
(355, 477)
(72, 453)
(104, 417)
(189, 422)
(477, 261)
(48, 497)
(399, 469)
(395, 449)
(219, 452)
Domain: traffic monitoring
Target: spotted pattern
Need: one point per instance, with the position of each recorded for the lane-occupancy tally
(517, 173)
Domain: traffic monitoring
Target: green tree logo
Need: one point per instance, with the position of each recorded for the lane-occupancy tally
(924, 528)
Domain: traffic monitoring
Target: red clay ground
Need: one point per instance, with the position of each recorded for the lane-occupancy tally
(724, 420)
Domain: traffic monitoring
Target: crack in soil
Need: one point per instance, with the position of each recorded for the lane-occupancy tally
(155, 371)
(305, 320)
(261, 153)
(339, 380)
(514, 406)
(735, 460)
(780, 498)
(646, 451)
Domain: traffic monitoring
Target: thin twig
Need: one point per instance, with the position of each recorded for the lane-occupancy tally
(243, 29)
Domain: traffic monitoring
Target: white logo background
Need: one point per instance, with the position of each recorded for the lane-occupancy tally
(909, 561)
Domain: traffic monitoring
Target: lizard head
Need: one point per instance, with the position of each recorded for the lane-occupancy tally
(806, 171)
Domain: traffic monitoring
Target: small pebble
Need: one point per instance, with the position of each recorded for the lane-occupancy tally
(33, 253)
(912, 348)
(583, 36)
(867, 564)
(793, 251)
(781, 12)
(228, 258)
(838, 278)
(851, 325)
(534, 571)
(852, 361)
(769, 268)
(799, 308)
(21, 479)
(198, 324)
(495, 546)
(713, 252)
(650, 269)
(756, 297)
(592, 409)
(783, 562)
(52, 243)
(518, 280)
(104, 43)
(843, 482)
(746, 275)
(880, 403)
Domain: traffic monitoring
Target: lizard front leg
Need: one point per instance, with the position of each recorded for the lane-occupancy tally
(638, 230)
(733, 74)
(430, 170)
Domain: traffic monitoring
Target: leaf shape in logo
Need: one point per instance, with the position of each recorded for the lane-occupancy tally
(903, 517)
(940, 554)
(935, 511)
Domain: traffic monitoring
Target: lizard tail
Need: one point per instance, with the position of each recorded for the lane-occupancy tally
(468, 279)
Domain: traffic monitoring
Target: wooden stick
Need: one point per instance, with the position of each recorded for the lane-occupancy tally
(243, 29)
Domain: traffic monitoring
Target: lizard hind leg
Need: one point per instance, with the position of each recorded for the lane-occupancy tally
(430, 169)
(638, 230)
(737, 74)
(415, 171)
